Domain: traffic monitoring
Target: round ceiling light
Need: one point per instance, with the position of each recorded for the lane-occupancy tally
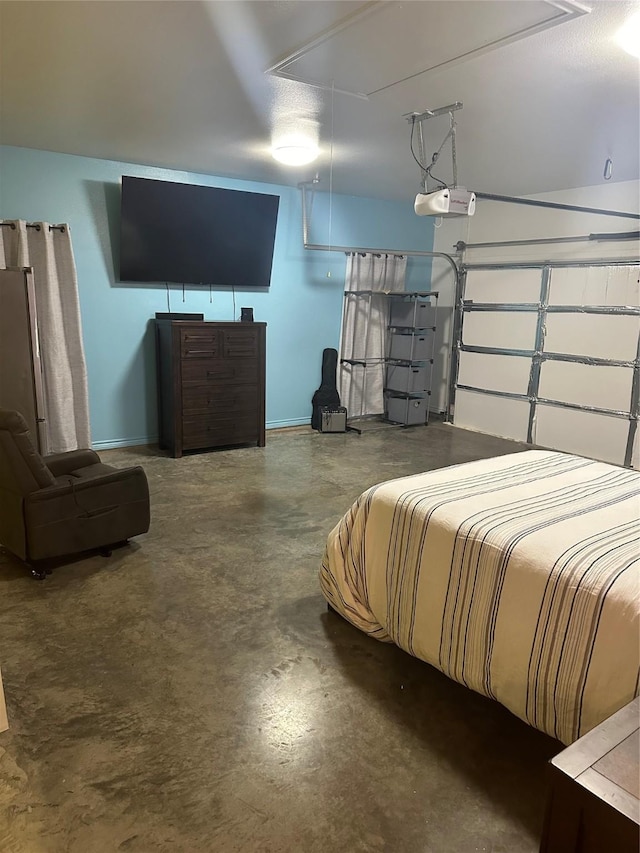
(295, 152)
(628, 36)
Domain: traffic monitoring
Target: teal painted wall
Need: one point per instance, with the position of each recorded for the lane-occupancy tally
(302, 307)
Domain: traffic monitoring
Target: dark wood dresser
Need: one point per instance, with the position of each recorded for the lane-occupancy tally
(211, 384)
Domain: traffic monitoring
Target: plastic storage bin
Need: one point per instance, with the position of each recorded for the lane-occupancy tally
(407, 380)
(407, 410)
(410, 347)
(412, 314)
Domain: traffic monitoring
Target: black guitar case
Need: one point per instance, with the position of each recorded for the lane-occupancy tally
(327, 393)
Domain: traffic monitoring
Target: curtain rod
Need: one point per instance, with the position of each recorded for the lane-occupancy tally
(363, 250)
(35, 225)
(377, 254)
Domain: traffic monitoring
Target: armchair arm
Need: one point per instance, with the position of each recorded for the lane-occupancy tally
(88, 484)
(64, 463)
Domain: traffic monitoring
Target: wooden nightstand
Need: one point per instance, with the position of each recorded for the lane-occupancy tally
(593, 803)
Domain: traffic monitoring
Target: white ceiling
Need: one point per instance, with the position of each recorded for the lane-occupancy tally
(181, 84)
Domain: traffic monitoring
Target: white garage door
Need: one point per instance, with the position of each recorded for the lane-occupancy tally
(550, 355)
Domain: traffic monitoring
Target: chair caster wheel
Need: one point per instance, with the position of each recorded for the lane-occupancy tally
(38, 574)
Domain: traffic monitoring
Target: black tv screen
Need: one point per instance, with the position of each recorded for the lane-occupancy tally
(196, 235)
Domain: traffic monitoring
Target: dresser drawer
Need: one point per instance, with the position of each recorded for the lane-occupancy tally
(200, 343)
(217, 430)
(199, 371)
(240, 343)
(210, 398)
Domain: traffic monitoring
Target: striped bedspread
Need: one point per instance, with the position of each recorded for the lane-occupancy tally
(518, 576)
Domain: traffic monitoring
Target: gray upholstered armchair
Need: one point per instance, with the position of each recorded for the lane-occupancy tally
(63, 504)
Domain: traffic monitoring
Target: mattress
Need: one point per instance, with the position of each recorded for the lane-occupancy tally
(518, 576)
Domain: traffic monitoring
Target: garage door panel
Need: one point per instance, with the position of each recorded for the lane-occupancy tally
(594, 286)
(494, 372)
(500, 329)
(494, 415)
(503, 286)
(584, 433)
(601, 386)
(595, 335)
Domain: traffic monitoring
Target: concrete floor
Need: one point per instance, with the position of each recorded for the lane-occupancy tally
(192, 693)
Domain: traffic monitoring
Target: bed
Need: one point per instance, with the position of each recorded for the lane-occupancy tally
(518, 576)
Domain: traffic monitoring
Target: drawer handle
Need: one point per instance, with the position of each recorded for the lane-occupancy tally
(200, 352)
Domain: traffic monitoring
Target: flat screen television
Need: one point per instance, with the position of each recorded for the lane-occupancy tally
(191, 234)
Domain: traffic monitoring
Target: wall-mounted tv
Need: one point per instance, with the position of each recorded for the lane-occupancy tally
(191, 234)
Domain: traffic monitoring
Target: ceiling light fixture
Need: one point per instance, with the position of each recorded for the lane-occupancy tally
(628, 36)
(295, 151)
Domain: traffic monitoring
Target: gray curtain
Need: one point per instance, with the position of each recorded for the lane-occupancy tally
(365, 315)
(48, 252)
